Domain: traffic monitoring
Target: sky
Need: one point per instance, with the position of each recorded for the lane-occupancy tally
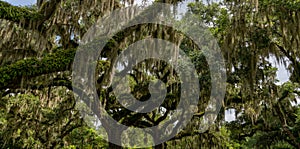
(21, 2)
(282, 74)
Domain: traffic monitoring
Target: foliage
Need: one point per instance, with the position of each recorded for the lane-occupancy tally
(37, 101)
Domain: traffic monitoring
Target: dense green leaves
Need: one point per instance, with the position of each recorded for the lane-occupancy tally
(32, 67)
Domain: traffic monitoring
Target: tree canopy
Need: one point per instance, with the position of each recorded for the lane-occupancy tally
(38, 98)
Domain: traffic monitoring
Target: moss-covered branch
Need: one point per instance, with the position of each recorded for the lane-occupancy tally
(29, 18)
(16, 14)
(59, 61)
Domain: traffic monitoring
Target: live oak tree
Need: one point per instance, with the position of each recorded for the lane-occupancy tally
(37, 52)
(38, 47)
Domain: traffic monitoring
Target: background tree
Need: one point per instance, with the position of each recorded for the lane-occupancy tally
(251, 32)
